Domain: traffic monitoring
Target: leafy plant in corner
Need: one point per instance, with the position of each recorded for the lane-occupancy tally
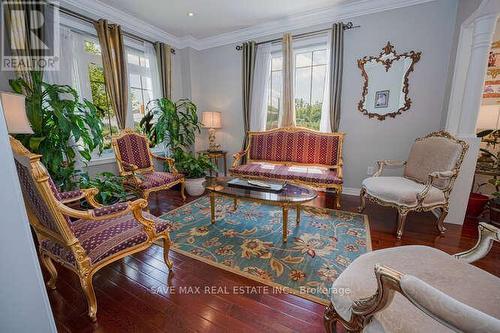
(193, 167)
(62, 125)
(176, 123)
(110, 187)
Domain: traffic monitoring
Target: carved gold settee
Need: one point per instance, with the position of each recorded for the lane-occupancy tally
(417, 289)
(429, 175)
(82, 240)
(295, 154)
(135, 163)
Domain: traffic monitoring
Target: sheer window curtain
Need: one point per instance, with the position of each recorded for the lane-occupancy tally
(65, 74)
(260, 89)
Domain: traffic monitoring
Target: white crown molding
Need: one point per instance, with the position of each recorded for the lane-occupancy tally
(96, 9)
(340, 11)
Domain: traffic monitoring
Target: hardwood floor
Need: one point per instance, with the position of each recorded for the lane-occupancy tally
(133, 296)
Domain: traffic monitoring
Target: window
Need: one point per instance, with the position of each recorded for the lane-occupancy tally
(92, 83)
(96, 88)
(309, 77)
(140, 82)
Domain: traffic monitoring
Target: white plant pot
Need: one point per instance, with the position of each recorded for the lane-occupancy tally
(194, 187)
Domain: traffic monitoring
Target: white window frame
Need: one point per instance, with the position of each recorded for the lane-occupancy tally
(300, 46)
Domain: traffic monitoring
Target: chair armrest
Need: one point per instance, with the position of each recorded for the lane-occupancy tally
(103, 213)
(170, 161)
(487, 235)
(430, 180)
(391, 163)
(445, 309)
(238, 156)
(87, 193)
(129, 167)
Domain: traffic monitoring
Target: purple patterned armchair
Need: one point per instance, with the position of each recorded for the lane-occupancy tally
(135, 163)
(82, 240)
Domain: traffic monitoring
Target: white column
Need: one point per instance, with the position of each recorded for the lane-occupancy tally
(465, 99)
(481, 40)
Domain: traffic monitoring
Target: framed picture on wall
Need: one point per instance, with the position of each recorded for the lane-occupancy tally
(382, 99)
(492, 83)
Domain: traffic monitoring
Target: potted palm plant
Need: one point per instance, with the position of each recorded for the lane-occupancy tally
(176, 126)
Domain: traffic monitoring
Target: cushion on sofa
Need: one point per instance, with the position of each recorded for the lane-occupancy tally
(471, 286)
(316, 175)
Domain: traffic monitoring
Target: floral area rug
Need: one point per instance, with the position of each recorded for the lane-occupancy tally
(248, 241)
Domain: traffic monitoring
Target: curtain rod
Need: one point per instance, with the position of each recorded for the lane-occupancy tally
(347, 26)
(92, 21)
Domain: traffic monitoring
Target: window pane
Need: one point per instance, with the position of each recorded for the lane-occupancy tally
(137, 104)
(147, 83)
(133, 59)
(91, 47)
(302, 85)
(135, 81)
(273, 108)
(318, 84)
(276, 63)
(303, 59)
(319, 57)
(145, 62)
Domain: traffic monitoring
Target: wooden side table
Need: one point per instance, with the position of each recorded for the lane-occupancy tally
(214, 156)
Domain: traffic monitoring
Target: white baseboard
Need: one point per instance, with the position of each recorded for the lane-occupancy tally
(351, 191)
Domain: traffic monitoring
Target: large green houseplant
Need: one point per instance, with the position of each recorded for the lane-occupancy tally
(176, 126)
(63, 126)
(110, 187)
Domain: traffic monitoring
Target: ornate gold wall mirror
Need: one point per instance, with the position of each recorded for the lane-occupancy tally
(385, 87)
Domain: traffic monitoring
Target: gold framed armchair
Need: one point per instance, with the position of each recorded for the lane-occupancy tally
(135, 163)
(429, 175)
(83, 241)
(417, 289)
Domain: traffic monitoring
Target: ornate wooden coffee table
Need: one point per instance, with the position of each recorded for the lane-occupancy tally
(291, 196)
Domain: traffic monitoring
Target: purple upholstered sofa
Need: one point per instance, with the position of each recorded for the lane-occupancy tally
(298, 155)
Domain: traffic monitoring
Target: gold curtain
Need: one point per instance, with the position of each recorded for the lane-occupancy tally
(164, 58)
(336, 67)
(115, 69)
(288, 112)
(18, 23)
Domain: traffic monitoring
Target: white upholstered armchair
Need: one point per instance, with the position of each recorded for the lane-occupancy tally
(429, 175)
(417, 289)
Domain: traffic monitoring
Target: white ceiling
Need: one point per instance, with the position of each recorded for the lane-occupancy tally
(213, 17)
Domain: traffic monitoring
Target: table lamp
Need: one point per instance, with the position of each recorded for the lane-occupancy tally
(212, 121)
(14, 111)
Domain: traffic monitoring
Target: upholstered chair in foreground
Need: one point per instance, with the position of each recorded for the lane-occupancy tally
(135, 163)
(429, 175)
(418, 289)
(82, 240)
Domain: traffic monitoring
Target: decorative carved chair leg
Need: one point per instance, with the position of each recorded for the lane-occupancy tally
(88, 290)
(440, 221)
(362, 200)
(330, 319)
(49, 265)
(338, 192)
(401, 223)
(166, 250)
(183, 191)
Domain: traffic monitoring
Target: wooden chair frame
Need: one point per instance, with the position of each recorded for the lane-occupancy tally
(340, 162)
(65, 237)
(389, 282)
(132, 172)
